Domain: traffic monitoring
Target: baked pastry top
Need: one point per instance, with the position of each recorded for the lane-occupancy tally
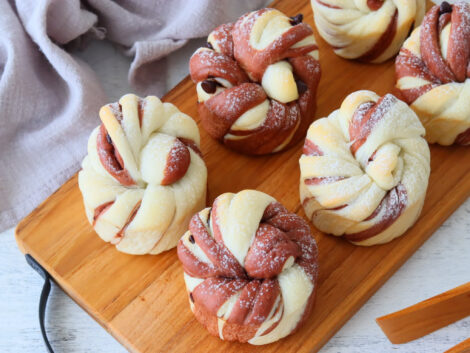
(433, 73)
(250, 268)
(367, 30)
(365, 169)
(256, 81)
(144, 176)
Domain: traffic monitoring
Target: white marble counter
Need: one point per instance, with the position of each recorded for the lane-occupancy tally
(441, 264)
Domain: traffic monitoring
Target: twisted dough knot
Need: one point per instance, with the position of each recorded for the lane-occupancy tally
(250, 268)
(365, 169)
(143, 177)
(433, 71)
(257, 81)
(368, 30)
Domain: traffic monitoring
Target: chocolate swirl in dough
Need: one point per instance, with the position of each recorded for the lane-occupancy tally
(250, 268)
(143, 177)
(365, 169)
(433, 73)
(367, 30)
(256, 81)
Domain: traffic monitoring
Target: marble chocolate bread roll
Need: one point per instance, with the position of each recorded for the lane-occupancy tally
(367, 30)
(256, 81)
(143, 177)
(365, 169)
(433, 73)
(250, 268)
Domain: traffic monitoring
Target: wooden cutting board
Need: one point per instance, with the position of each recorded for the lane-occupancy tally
(142, 301)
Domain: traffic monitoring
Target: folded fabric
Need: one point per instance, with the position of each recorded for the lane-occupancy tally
(49, 99)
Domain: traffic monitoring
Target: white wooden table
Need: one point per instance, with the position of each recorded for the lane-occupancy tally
(441, 264)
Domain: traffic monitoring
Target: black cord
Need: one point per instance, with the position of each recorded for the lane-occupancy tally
(46, 290)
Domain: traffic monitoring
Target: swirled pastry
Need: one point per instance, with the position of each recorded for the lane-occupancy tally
(143, 177)
(368, 30)
(250, 268)
(365, 169)
(256, 81)
(433, 73)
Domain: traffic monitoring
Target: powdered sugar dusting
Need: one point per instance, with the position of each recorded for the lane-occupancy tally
(256, 299)
(221, 62)
(359, 189)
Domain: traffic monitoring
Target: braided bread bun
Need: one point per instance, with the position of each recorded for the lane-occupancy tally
(257, 81)
(433, 71)
(368, 30)
(250, 268)
(143, 177)
(365, 169)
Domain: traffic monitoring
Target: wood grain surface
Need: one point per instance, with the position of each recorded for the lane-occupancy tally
(142, 301)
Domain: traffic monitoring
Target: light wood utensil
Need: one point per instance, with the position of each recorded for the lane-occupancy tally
(427, 316)
(462, 347)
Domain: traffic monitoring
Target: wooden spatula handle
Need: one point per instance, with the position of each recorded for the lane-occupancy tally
(462, 347)
(427, 316)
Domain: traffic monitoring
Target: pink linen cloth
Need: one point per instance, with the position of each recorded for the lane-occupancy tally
(49, 99)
